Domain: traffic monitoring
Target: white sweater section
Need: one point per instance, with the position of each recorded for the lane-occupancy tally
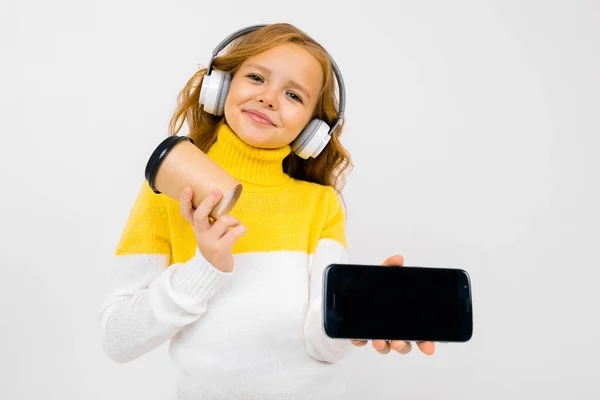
(254, 333)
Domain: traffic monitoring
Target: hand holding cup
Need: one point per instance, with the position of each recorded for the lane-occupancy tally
(215, 238)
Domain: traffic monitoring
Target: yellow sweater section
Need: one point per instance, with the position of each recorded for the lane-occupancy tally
(281, 213)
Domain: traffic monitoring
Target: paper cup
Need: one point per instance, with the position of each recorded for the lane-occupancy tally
(177, 163)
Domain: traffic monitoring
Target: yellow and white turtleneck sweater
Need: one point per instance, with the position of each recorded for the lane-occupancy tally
(256, 332)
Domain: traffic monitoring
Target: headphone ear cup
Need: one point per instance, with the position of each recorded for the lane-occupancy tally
(312, 139)
(222, 95)
(213, 92)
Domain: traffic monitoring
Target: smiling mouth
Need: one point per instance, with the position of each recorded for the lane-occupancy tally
(257, 118)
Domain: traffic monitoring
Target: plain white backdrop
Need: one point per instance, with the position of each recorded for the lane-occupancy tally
(473, 126)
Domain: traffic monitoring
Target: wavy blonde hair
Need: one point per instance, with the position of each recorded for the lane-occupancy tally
(331, 166)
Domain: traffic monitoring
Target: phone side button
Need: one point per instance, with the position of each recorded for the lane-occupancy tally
(333, 300)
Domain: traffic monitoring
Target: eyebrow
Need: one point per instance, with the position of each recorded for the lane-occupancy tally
(293, 83)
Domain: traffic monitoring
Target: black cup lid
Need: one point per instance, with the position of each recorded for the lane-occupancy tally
(158, 155)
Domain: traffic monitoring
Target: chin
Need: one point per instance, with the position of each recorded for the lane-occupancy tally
(253, 135)
(255, 138)
(258, 138)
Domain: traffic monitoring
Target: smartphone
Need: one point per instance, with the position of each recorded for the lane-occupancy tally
(371, 302)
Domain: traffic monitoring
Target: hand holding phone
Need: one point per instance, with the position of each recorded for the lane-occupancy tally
(399, 305)
(401, 346)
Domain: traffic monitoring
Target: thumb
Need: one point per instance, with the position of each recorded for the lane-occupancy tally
(395, 260)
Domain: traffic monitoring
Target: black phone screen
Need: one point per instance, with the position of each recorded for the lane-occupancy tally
(397, 303)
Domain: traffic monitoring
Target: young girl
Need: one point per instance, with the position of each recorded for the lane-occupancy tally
(240, 298)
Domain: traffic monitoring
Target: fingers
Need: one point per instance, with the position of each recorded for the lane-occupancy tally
(426, 347)
(396, 260)
(382, 346)
(234, 234)
(201, 214)
(185, 205)
(401, 346)
(222, 226)
(404, 347)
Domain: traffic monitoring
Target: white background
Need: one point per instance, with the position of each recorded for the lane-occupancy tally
(473, 126)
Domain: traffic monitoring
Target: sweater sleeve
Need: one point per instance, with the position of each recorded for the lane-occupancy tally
(150, 300)
(331, 248)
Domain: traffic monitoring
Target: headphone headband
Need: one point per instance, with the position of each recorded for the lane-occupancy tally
(336, 70)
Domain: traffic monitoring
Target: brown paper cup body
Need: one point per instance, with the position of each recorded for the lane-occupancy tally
(186, 165)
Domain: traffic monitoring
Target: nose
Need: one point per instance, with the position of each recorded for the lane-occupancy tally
(270, 104)
(268, 98)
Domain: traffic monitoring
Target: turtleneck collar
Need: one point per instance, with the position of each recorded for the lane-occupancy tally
(248, 164)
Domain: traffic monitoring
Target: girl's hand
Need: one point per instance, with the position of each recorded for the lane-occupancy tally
(215, 239)
(402, 347)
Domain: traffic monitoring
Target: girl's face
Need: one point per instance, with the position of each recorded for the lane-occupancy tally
(273, 95)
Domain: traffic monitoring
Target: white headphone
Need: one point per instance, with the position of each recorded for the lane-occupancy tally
(215, 86)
